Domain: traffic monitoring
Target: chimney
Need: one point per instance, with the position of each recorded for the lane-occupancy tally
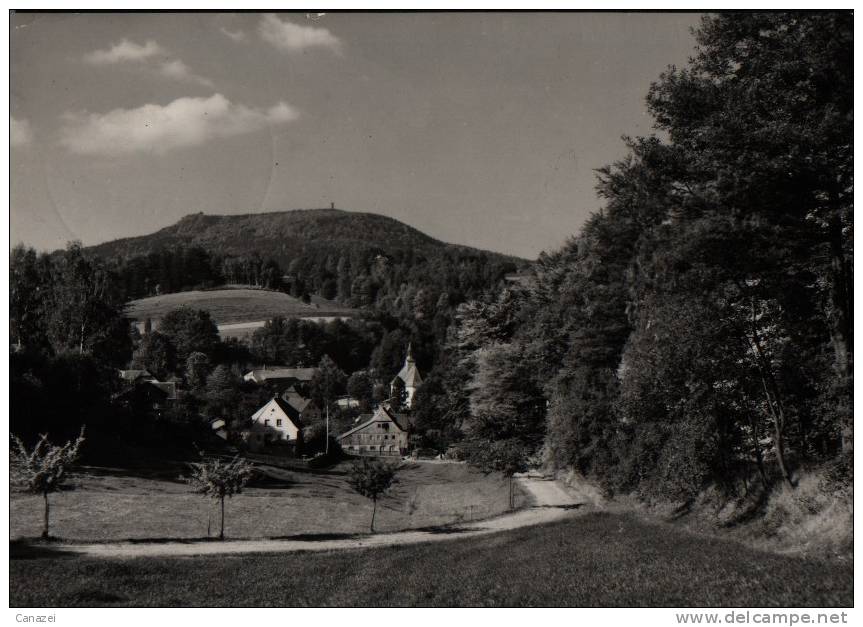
(332, 205)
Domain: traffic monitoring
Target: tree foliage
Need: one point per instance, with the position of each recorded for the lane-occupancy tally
(44, 468)
(218, 479)
(371, 479)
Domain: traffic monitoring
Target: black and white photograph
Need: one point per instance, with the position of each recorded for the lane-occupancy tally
(431, 309)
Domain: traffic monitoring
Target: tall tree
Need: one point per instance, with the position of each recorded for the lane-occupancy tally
(190, 331)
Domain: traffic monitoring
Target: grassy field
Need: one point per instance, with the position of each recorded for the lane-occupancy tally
(597, 559)
(116, 505)
(229, 306)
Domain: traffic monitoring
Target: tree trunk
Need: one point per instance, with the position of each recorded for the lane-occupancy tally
(374, 511)
(510, 493)
(774, 402)
(842, 302)
(778, 425)
(222, 526)
(841, 298)
(45, 523)
(759, 457)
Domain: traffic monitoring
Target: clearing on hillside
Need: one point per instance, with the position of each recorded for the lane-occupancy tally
(234, 306)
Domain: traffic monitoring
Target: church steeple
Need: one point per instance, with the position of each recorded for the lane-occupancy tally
(410, 377)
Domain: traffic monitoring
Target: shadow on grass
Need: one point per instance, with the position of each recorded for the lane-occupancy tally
(565, 507)
(753, 509)
(36, 548)
(319, 537)
(682, 510)
(447, 529)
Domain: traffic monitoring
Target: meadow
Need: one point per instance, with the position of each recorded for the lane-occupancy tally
(597, 559)
(235, 305)
(111, 504)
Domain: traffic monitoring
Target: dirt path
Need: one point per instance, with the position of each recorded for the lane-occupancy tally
(550, 503)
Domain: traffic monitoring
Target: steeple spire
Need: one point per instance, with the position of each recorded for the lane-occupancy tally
(409, 359)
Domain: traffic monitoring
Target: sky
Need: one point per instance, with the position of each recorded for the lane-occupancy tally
(481, 129)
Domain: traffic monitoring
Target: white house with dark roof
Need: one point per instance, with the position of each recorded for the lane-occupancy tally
(277, 421)
(410, 378)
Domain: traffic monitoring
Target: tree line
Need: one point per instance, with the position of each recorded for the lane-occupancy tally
(697, 331)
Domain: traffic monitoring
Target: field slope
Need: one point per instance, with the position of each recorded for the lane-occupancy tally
(237, 305)
(598, 559)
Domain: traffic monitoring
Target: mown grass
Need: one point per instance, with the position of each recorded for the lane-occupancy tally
(235, 305)
(110, 505)
(598, 559)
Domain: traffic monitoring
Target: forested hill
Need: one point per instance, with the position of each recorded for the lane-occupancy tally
(286, 235)
(360, 259)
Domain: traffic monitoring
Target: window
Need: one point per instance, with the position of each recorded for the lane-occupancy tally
(278, 422)
(267, 422)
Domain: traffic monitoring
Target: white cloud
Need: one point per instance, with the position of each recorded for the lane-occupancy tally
(19, 132)
(236, 35)
(129, 52)
(158, 129)
(178, 70)
(123, 52)
(293, 37)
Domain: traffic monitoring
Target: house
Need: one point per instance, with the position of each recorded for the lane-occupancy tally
(219, 428)
(382, 434)
(168, 387)
(280, 377)
(144, 394)
(145, 397)
(410, 379)
(347, 402)
(275, 422)
(307, 409)
(136, 376)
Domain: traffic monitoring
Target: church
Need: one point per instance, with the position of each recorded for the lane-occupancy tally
(410, 379)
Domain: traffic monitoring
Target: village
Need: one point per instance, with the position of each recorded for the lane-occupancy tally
(278, 425)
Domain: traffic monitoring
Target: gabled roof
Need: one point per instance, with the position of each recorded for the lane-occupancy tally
(264, 374)
(292, 414)
(168, 387)
(134, 375)
(296, 400)
(144, 390)
(383, 413)
(409, 373)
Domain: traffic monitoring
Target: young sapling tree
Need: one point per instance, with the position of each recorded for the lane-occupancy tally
(372, 479)
(219, 479)
(43, 469)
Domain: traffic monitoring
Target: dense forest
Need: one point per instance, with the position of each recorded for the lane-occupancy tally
(697, 332)
(358, 259)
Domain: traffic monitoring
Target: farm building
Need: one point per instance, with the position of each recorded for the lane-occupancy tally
(410, 378)
(275, 422)
(280, 376)
(382, 434)
(135, 376)
(146, 397)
